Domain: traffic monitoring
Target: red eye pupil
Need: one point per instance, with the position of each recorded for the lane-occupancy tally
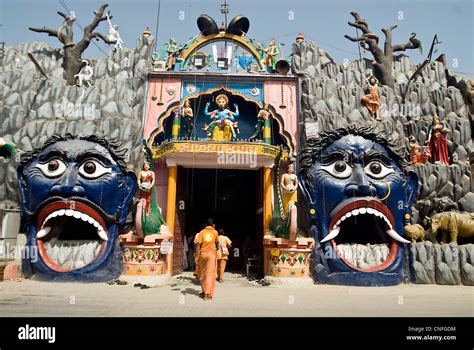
(89, 167)
(53, 165)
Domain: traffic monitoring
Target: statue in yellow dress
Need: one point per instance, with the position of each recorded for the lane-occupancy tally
(289, 183)
(223, 126)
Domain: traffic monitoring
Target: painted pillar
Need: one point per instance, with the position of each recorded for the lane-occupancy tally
(267, 131)
(171, 205)
(267, 197)
(176, 127)
(267, 209)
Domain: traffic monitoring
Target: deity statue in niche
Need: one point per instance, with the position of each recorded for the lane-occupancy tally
(187, 119)
(438, 142)
(263, 116)
(372, 100)
(223, 126)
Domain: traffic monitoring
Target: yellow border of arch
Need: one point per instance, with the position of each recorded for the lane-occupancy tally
(205, 40)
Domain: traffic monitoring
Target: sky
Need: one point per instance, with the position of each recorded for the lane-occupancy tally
(321, 21)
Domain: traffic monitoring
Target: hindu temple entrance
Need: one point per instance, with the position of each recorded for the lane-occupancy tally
(234, 199)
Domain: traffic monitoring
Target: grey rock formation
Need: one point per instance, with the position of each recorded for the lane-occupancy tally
(448, 264)
(33, 108)
(331, 98)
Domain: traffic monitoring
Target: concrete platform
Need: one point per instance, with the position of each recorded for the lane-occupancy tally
(235, 297)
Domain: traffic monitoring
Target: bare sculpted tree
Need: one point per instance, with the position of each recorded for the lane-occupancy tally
(73, 51)
(382, 66)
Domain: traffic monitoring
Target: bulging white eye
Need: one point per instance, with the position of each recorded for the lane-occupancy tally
(92, 169)
(377, 170)
(53, 168)
(338, 169)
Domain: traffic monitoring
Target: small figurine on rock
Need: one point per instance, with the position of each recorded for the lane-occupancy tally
(372, 100)
(84, 77)
(418, 154)
(438, 142)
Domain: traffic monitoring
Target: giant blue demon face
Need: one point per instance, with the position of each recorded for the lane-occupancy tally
(359, 198)
(75, 196)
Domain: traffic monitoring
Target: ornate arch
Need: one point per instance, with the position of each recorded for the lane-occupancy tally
(209, 39)
(290, 142)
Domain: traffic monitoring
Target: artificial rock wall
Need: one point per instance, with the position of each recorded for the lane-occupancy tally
(33, 107)
(331, 98)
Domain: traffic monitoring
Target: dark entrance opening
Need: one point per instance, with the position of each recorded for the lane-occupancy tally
(233, 198)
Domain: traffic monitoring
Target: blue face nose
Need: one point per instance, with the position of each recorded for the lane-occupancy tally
(68, 186)
(359, 184)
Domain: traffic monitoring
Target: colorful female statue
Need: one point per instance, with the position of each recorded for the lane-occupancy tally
(272, 52)
(223, 127)
(262, 117)
(289, 183)
(437, 142)
(149, 219)
(146, 181)
(372, 100)
(187, 116)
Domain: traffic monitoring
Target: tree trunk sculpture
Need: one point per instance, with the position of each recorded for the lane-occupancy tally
(73, 51)
(382, 64)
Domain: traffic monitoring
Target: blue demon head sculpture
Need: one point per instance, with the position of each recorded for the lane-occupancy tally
(359, 193)
(75, 197)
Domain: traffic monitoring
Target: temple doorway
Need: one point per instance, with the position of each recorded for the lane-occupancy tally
(234, 199)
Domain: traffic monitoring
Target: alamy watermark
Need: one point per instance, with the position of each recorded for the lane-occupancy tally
(14, 252)
(232, 158)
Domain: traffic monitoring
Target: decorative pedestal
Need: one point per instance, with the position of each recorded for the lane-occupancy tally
(287, 262)
(146, 261)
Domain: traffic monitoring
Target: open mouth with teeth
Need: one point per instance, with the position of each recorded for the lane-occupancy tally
(70, 235)
(363, 236)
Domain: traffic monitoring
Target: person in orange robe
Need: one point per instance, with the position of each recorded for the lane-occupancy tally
(206, 250)
(222, 255)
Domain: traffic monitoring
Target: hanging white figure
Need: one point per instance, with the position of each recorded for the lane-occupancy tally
(114, 34)
(85, 74)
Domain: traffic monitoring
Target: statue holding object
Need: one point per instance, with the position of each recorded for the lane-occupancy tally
(146, 181)
(187, 117)
(372, 100)
(418, 154)
(437, 142)
(271, 59)
(289, 184)
(223, 127)
(148, 219)
(263, 116)
(113, 33)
